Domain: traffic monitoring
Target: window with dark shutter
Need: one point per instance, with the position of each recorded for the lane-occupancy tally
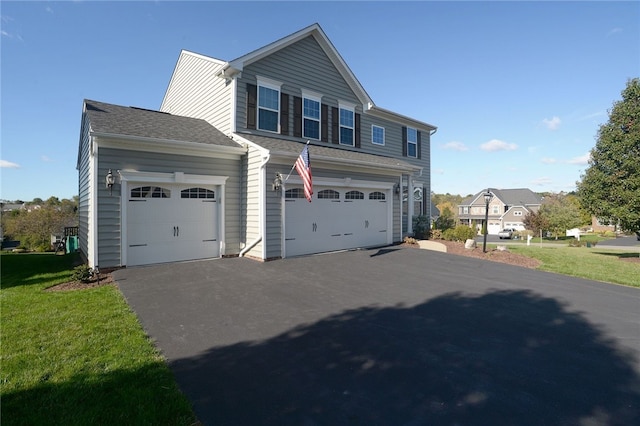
(324, 123)
(335, 125)
(357, 129)
(252, 96)
(404, 141)
(297, 116)
(284, 114)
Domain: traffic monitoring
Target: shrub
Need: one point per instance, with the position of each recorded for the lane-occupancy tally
(435, 234)
(410, 240)
(449, 235)
(421, 226)
(82, 273)
(464, 233)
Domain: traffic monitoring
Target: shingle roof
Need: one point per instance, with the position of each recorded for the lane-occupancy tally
(131, 121)
(511, 197)
(326, 152)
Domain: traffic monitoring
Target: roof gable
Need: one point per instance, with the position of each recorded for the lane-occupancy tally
(237, 65)
(510, 197)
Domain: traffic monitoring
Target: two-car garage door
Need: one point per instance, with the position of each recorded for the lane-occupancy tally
(167, 223)
(336, 219)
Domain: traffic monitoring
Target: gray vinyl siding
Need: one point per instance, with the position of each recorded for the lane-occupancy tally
(83, 188)
(274, 204)
(109, 226)
(251, 196)
(196, 92)
(304, 65)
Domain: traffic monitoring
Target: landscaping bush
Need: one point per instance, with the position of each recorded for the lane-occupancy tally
(82, 273)
(410, 240)
(435, 234)
(459, 233)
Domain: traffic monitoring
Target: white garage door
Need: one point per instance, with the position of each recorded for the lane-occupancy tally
(336, 219)
(493, 228)
(168, 223)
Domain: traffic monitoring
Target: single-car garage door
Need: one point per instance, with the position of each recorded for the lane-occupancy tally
(168, 223)
(336, 219)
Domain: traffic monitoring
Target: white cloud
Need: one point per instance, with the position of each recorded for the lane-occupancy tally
(438, 171)
(552, 123)
(456, 146)
(498, 145)
(614, 31)
(547, 160)
(581, 160)
(46, 159)
(48, 9)
(8, 165)
(541, 181)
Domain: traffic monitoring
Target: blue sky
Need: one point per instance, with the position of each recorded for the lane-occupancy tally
(517, 89)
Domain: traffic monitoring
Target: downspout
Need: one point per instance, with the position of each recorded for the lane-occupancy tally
(261, 208)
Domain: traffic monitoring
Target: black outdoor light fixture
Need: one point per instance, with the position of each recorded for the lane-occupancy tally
(109, 180)
(488, 196)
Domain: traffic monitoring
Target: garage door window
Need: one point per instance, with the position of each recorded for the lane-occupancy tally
(294, 193)
(197, 193)
(377, 195)
(328, 194)
(150, 192)
(354, 195)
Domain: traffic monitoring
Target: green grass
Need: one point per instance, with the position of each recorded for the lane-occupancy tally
(590, 263)
(77, 357)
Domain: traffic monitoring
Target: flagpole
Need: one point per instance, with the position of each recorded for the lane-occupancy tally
(294, 164)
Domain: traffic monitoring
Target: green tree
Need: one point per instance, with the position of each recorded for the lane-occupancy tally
(610, 187)
(446, 219)
(536, 221)
(560, 213)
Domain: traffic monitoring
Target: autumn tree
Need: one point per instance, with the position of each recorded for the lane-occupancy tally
(560, 214)
(610, 187)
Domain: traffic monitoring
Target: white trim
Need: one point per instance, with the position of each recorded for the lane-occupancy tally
(166, 146)
(92, 226)
(311, 95)
(234, 105)
(268, 82)
(175, 177)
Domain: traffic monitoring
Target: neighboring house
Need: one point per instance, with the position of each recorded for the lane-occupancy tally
(601, 226)
(206, 176)
(507, 209)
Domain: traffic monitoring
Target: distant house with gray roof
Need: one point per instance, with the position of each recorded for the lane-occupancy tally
(210, 173)
(507, 209)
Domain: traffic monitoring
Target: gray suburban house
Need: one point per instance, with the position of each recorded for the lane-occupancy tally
(209, 174)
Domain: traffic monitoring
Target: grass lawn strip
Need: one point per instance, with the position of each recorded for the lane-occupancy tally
(590, 263)
(77, 357)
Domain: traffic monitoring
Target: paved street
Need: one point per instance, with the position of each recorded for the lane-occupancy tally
(395, 336)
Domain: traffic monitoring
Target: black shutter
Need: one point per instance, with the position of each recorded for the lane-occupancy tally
(404, 141)
(284, 114)
(357, 131)
(297, 116)
(335, 125)
(252, 97)
(324, 123)
(419, 148)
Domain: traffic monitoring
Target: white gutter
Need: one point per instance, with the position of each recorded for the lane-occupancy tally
(261, 206)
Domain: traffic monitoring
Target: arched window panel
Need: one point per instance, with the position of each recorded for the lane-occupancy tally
(197, 193)
(150, 192)
(377, 195)
(294, 193)
(354, 195)
(328, 194)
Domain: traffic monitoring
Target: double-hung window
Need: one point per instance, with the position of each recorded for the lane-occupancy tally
(310, 115)
(347, 124)
(412, 142)
(268, 104)
(377, 135)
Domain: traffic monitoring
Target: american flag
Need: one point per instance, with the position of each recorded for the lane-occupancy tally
(303, 167)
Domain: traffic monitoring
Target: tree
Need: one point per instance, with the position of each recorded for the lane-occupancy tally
(560, 213)
(536, 221)
(446, 219)
(610, 187)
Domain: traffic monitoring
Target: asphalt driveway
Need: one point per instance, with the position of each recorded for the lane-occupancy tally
(395, 336)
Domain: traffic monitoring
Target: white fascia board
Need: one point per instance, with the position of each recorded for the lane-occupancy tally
(166, 146)
(399, 118)
(175, 177)
(238, 138)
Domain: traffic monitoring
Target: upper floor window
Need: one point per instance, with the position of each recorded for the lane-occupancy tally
(517, 213)
(465, 210)
(347, 124)
(311, 116)
(377, 135)
(495, 209)
(268, 104)
(412, 142)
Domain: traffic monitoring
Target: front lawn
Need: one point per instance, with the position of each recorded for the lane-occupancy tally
(613, 266)
(77, 357)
